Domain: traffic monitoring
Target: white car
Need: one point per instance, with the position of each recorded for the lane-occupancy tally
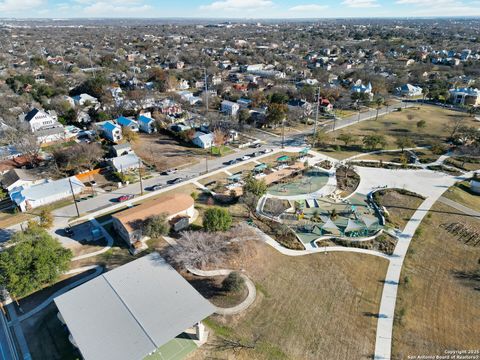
(266, 151)
(245, 157)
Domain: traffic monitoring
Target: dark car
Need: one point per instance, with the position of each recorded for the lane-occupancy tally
(174, 181)
(256, 146)
(125, 198)
(157, 187)
(231, 162)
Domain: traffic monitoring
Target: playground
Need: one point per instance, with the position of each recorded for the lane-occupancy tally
(310, 181)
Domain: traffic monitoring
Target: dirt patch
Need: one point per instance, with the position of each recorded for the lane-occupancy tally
(347, 180)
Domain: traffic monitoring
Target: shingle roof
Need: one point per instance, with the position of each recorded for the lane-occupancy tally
(170, 205)
(129, 312)
(18, 174)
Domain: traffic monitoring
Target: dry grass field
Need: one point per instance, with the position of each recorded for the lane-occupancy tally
(438, 304)
(309, 307)
(461, 194)
(439, 123)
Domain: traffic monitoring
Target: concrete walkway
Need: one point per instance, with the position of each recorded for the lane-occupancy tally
(244, 305)
(460, 207)
(101, 251)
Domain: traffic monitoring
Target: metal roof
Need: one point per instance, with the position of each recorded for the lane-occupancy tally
(129, 312)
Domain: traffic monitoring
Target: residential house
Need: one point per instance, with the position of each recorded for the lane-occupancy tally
(203, 140)
(122, 149)
(146, 124)
(16, 178)
(244, 103)
(136, 311)
(129, 161)
(362, 89)
(31, 197)
(128, 223)
(300, 105)
(229, 108)
(409, 90)
(127, 123)
(39, 119)
(110, 131)
(85, 99)
(465, 96)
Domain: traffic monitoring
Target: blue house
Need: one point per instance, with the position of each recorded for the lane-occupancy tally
(146, 124)
(126, 122)
(111, 131)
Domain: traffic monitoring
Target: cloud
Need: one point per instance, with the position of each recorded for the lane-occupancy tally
(442, 7)
(14, 6)
(116, 8)
(308, 8)
(235, 5)
(361, 3)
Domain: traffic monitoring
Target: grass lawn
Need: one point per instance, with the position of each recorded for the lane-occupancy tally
(439, 307)
(463, 163)
(439, 122)
(175, 349)
(400, 206)
(308, 307)
(218, 177)
(461, 194)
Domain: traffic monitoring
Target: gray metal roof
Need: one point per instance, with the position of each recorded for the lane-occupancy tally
(129, 312)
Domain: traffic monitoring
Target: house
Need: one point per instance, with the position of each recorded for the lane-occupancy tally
(15, 178)
(48, 192)
(128, 223)
(122, 149)
(138, 309)
(203, 140)
(360, 88)
(126, 122)
(301, 105)
(39, 119)
(244, 103)
(85, 99)
(126, 162)
(187, 96)
(465, 96)
(146, 124)
(229, 108)
(409, 90)
(111, 131)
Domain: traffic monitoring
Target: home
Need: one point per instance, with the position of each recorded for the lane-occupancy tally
(126, 162)
(122, 149)
(85, 99)
(409, 90)
(110, 131)
(138, 309)
(203, 140)
(31, 197)
(360, 88)
(229, 108)
(50, 135)
(127, 123)
(187, 96)
(39, 119)
(300, 105)
(128, 223)
(465, 96)
(325, 105)
(146, 124)
(16, 178)
(244, 103)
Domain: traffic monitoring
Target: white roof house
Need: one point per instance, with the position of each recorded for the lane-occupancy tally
(203, 140)
(131, 311)
(46, 193)
(126, 162)
(409, 90)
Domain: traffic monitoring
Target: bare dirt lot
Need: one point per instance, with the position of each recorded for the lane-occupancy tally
(164, 152)
(438, 304)
(308, 307)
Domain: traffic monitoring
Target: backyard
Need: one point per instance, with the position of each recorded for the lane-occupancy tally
(438, 304)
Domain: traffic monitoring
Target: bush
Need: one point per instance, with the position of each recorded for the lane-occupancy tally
(156, 226)
(233, 282)
(217, 219)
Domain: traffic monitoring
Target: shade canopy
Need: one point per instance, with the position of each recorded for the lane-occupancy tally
(352, 225)
(330, 226)
(283, 158)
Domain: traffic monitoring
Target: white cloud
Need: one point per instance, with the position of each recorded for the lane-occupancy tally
(234, 5)
(15, 6)
(442, 7)
(116, 8)
(308, 8)
(361, 3)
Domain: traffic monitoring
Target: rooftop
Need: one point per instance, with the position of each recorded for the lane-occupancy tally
(129, 312)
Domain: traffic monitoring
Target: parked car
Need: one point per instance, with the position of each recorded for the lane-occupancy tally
(157, 187)
(68, 231)
(175, 181)
(245, 157)
(125, 197)
(231, 162)
(169, 172)
(266, 151)
(256, 146)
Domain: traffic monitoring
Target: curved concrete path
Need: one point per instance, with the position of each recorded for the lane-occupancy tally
(245, 304)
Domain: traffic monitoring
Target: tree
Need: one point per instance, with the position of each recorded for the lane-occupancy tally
(404, 142)
(321, 138)
(219, 138)
(37, 259)
(129, 135)
(45, 218)
(346, 138)
(373, 141)
(156, 226)
(421, 124)
(378, 102)
(78, 157)
(233, 282)
(217, 219)
(243, 116)
(255, 186)
(276, 113)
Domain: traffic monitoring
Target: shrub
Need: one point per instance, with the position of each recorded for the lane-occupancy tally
(156, 226)
(217, 219)
(233, 282)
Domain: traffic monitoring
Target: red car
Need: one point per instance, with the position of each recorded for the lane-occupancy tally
(125, 198)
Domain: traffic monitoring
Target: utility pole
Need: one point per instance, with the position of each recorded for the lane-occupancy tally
(73, 195)
(206, 163)
(140, 176)
(316, 119)
(206, 92)
(283, 133)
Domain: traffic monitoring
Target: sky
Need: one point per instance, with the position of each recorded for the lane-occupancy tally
(237, 8)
